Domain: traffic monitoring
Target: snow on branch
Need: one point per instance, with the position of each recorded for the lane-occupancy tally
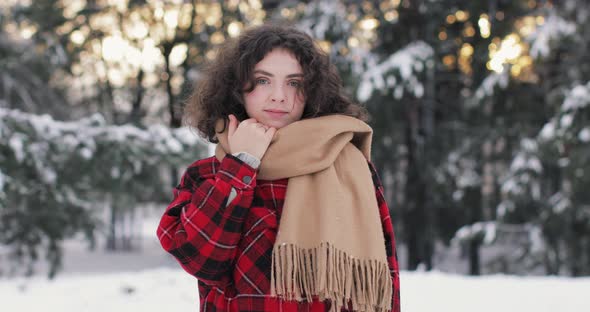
(490, 83)
(552, 30)
(569, 122)
(323, 17)
(55, 150)
(21, 129)
(485, 231)
(524, 173)
(399, 72)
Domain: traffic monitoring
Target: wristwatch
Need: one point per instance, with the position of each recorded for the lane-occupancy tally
(250, 160)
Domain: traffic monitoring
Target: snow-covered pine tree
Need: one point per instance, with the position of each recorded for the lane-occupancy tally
(546, 173)
(565, 139)
(417, 131)
(57, 177)
(395, 89)
(565, 147)
(24, 73)
(493, 111)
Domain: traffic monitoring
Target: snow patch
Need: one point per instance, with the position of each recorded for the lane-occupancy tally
(16, 144)
(490, 82)
(553, 29)
(584, 135)
(176, 290)
(404, 62)
(578, 97)
(548, 131)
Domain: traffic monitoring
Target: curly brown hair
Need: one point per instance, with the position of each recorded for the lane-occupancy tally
(226, 79)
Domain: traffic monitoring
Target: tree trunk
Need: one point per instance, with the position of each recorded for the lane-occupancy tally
(135, 115)
(474, 261)
(415, 218)
(175, 115)
(112, 235)
(473, 203)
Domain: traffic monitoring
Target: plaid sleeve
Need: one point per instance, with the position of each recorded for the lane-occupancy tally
(389, 238)
(200, 228)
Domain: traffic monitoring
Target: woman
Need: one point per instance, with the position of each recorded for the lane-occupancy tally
(289, 214)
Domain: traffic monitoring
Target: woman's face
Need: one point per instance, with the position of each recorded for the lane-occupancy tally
(277, 99)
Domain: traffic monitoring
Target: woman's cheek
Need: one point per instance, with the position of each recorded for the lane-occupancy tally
(300, 100)
(257, 94)
(252, 98)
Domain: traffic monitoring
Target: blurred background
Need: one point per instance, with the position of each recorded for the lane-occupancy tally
(480, 111)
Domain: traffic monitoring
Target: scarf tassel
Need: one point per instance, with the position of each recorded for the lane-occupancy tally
(299, 274)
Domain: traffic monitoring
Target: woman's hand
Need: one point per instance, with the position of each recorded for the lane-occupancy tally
(249, 136)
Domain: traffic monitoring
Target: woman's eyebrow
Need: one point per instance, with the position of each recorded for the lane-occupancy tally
(260, 71)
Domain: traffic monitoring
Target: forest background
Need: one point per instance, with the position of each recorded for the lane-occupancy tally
(480, 111)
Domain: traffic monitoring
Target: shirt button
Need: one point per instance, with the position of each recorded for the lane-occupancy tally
(246, 179)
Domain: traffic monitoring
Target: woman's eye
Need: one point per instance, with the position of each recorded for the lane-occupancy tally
(295, 83)
(261, 81)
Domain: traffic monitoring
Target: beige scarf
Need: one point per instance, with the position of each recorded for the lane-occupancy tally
(330, 240)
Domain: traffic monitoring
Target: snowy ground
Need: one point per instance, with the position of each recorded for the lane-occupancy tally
(169, 289)
(150, 280)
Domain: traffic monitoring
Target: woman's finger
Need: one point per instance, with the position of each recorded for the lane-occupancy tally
(233, 124)
(270, 132)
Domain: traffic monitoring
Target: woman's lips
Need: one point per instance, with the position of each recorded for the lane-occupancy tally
(275, 113)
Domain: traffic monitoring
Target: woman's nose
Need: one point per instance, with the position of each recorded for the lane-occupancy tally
(278, 94)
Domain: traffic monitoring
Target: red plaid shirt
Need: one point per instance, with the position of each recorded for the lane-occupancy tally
(228, 246)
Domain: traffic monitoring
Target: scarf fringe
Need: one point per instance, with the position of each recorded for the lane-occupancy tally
(329, 273)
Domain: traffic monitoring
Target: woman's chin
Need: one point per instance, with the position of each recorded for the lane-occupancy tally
(273, 123)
